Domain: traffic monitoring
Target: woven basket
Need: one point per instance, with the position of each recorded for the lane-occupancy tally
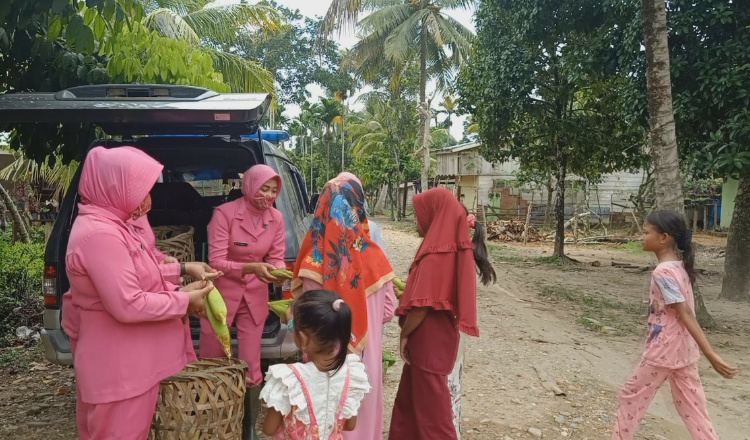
(176, 241)
(204, 401)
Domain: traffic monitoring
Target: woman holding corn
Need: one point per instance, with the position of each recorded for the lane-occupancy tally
(338, 254)
(246, 242)
(129, 321)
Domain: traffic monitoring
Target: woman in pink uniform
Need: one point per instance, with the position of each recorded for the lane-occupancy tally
(339, 255)
(245, 242)
(130, 328)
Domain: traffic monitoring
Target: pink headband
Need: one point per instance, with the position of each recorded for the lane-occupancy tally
(471, 219)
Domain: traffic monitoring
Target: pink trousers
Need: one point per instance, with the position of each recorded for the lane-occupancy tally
(128, 419)
(687, 393)
(249, 336)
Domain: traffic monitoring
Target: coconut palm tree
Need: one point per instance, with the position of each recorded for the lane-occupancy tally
(210, 26)
(396, 31)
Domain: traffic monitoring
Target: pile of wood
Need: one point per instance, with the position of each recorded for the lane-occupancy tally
(510, 230)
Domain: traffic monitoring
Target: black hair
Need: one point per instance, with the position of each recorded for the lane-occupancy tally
(484, 267)
(314, 314)
(673, 224)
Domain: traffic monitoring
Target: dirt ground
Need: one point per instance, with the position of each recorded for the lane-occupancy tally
(579, 327)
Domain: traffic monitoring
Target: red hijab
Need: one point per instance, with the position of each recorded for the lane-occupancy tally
(337, 252)
(443, 274)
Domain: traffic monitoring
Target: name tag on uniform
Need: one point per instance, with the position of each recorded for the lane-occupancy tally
(240, 243)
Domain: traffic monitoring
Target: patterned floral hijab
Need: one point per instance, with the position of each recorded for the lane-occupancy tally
(338, 254)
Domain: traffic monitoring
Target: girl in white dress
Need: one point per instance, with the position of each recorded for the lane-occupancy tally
(318, 399)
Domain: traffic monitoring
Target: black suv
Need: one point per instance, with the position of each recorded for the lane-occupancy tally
(204, 139)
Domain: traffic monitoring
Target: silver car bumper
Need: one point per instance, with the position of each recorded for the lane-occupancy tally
(57, 345)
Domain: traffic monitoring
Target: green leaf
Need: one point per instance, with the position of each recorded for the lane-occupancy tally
(100, 27)
(88, 16)
(55, 27)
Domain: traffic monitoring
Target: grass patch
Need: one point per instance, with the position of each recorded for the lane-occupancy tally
(598, 312)
(635, 247)
(551, 259)
(9, 356)
(504, 254)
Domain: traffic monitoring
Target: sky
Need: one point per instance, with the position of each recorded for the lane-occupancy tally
(312, 8)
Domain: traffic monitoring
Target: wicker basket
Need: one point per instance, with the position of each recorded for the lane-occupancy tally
(176, 241)
(204, 401)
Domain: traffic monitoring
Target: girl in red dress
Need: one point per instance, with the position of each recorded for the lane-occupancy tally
(438, 303)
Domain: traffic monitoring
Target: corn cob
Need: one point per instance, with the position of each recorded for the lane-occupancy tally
(280, 307)
(219, 308)
(220, 326)
(282, 273)
(399, 287)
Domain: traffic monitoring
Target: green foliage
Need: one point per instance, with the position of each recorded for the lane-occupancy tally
(50, 45)
(546, 88)
(710, 67)
(292, 56)
(21, 269)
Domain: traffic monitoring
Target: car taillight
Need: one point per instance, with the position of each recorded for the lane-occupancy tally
(49, 285)
(286, 286)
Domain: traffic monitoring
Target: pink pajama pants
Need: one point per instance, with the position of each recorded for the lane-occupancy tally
(687, 393)
(128, 419)
(249, 335)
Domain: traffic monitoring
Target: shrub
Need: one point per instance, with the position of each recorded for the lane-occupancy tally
(21, 270)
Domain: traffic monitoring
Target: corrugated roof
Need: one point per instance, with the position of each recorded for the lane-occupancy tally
(457, 148)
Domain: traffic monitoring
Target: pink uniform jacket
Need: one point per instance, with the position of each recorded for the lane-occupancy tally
(237, 236)
(130, 331)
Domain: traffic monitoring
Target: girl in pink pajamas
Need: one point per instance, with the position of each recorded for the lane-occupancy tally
(674, 339)
(127, 326)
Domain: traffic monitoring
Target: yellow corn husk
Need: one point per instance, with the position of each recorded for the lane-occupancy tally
(280, 307)
(282, 273)
(221, 330)
(219, 308)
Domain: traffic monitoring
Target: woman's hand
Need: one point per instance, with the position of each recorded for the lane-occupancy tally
(168, 260)
(289, 314)
(403, 350)
(201, 271)
(261, 270)
(722, 367)
(196, 293)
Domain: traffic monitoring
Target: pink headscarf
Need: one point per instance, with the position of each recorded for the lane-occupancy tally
(253, 179)
(117, 179)
(350, 176)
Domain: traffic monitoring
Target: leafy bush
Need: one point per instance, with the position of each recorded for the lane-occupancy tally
(21, 269)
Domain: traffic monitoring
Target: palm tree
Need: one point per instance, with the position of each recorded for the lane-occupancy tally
(397, 31)
(663, 138)
(209, 26)
(328, 111)
(450, 108)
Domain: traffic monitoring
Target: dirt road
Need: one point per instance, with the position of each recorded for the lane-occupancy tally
(576, 327)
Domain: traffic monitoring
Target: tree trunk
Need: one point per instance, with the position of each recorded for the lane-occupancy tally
(17, 219)
(562, 160)
(736, 284)
(701, 313)
(425, 111)
(393, 202)
(547, 211)
(663, 139)
(406, 197)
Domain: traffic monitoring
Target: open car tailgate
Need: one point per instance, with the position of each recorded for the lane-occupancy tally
(141, 109)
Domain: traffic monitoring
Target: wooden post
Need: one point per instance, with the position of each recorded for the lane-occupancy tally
(47, 231)
(695, 218)
(705, 217)
(716, 214)
(526, 226)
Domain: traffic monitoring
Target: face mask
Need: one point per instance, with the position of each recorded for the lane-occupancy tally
(263, 201)
(143, 209)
